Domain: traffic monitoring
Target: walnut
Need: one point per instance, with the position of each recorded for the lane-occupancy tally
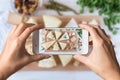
(26, 7)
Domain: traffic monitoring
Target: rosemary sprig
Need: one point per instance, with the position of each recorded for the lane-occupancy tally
(59, 7)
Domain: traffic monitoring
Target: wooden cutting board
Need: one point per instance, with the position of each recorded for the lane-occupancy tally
(16, 19)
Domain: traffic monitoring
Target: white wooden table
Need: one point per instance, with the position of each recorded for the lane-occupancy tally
(5, 5)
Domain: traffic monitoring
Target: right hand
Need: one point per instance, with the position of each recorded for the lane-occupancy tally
(102, 59)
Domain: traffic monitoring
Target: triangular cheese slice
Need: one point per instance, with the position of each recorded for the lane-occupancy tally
(65, 59)
(56, 46)
(32, 21)
(47, 45)
(51, 21)
(63, 45)
(58, 34)
(65, 36)
(47, 63)
(72, 23)
(50, 35)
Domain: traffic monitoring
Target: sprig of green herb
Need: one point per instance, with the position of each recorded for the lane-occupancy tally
(109, 8)
(59, 7)
(79, 31)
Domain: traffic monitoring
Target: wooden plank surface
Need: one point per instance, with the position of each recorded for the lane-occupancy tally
(65, 19)
(16, 19)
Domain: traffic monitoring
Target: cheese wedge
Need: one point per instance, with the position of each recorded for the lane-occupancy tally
(56, 46)
(63, 45)
(93, 22)
(65, 59)
(51, 21)
(47, 45)
(72, 23)
(58, 34)
(65, 36)
(32, 21)
(50, 35)
(47, 63)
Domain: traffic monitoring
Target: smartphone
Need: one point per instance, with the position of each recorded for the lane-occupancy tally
(60, 41)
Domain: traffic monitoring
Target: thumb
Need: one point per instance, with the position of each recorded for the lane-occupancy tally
(38, 57)
(81, 58)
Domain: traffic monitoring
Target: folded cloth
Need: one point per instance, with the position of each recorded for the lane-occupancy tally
(4, 28)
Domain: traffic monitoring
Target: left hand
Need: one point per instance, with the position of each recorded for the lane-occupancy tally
(14, 55)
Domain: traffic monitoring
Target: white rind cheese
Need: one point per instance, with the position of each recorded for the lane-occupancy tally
(32, 21)
(47, 63)
(93, 22)
(51, 21)
(50, 35)
(63, 45)
(65, 36)
(56, 46)
(84, 22)
(72, 23)
(58, 34)
(65, 59)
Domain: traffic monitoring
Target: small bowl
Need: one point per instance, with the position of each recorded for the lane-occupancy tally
(14, 10)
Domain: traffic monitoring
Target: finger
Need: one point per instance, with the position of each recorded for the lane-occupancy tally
(21, 28)
(102, 33)
(13, 29)
(104, 36)
(114, 55)
(94, 34)
(38, 57)
(28, 31)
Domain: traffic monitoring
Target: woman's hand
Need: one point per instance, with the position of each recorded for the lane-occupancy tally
(14, 55)
(102, 59)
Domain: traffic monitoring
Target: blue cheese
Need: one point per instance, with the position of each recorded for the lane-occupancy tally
(50, 35)
(65, 36)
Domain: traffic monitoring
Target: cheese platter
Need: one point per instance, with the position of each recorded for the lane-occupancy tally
(56, 62)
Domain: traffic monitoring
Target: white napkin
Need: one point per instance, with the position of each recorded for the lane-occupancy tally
(4, 28)
(5, 5)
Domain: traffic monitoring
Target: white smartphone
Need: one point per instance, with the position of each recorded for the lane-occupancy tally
(60, 41)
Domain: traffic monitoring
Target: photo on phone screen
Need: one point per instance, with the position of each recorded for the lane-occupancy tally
(61, 41)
